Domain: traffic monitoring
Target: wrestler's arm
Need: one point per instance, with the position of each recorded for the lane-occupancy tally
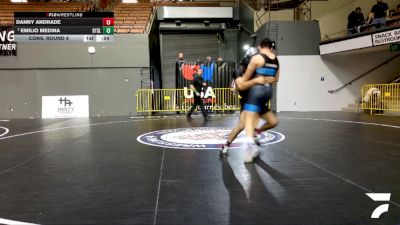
(245, 82)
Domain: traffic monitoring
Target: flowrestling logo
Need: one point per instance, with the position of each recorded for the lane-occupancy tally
(8, 47)
(201, 138)
(379, 197)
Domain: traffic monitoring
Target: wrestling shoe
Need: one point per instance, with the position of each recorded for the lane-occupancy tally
(223, 152)
(252, 152)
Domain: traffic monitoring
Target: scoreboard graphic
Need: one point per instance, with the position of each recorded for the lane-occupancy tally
(64, 26)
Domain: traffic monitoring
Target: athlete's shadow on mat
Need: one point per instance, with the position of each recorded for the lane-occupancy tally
(260, 206)
(294, 188)
(253, 208)
(296, 202)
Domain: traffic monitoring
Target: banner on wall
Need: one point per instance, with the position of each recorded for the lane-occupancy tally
(7, 45)
(65, 106)
(216, 74)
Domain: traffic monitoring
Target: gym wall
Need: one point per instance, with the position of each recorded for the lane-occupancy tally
(110, 77)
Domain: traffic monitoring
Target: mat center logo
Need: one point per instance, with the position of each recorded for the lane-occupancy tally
(201, 138)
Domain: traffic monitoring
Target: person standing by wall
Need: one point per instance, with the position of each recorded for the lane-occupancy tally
(179, 64)
(208, 70)
(396, 13)
(378, 14)
(355, 19)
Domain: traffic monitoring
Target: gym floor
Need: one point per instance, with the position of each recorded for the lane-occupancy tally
(95, 171)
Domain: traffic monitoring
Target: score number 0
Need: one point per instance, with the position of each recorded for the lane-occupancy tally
(108, 26)
(108, 22)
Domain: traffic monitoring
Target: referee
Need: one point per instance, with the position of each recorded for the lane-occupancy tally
(196, 86)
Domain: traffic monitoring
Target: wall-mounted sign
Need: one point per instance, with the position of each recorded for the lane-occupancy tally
(387, 37)
(65, 106)
(395, 47)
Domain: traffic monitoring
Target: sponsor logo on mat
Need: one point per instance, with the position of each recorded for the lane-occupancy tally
(202, 138)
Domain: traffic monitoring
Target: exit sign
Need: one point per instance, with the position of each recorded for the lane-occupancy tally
(395, 47)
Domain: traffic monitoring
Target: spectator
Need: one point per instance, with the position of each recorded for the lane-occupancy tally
(219, 61)
(180, 61)
(355, 19)
(208, 70)
(378, 14)
(180, 56)
(371, 93)
(180, 69)
(396, 13)
(208, 60)
(391, 12)
(372, 99)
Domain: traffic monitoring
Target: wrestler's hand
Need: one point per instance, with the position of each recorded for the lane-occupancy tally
(269, 80)
(260, 80)
(239, 81)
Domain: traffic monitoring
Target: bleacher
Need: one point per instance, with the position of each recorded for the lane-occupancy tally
(132, 18)
(129, 18)
(7, 9)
